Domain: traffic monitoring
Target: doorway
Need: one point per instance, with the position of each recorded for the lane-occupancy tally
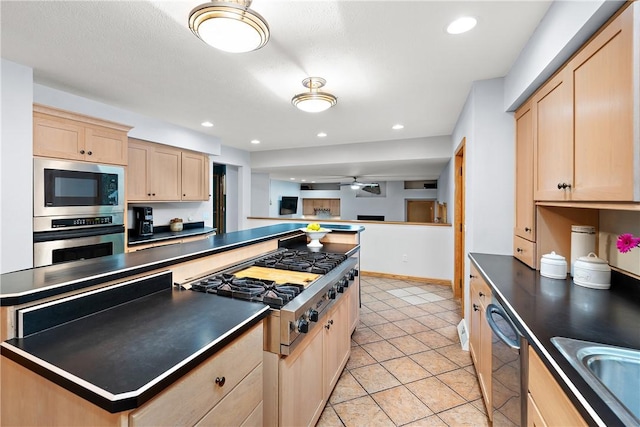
(421, 210)
(219, 195)
(459, 229)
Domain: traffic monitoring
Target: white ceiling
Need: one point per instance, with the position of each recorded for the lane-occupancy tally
(387, 62)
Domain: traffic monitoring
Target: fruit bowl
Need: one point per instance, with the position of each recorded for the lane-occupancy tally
(315, 236)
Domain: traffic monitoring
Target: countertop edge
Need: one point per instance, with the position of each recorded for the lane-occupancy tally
(540, 348)
(114, 403)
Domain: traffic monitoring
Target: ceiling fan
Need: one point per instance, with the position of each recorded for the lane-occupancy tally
(373, 187)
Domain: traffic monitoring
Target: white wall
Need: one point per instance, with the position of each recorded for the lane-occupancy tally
(279, 189)
(564, 28)
(16, 171)
(238, 183)
(427, 248)
(260, 194)
(490, 170)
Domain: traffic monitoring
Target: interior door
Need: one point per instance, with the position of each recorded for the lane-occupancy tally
(219, 198)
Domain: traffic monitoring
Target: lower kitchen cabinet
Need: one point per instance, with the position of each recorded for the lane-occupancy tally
(354, 304)
(337, 343)
(480, 335)
(307, 377)
(547, 405)
(201, 397)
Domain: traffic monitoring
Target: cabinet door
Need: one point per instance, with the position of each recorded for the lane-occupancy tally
(354, 304)
(525, 208)
(166, 173)
(336, 342)
(603, 99)
(194, 176)
(105, 146)
(138, 171)
(59, 138)
(335, 207)
(301, 383)
(553, 136)
(307, 207)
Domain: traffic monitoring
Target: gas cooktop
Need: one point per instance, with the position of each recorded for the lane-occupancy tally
(295, 260)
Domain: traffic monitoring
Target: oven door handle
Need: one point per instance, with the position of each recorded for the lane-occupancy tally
(49, 236)
(494, 309)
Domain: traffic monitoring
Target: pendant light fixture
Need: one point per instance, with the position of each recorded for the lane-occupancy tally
(314, 101)
(229, 26)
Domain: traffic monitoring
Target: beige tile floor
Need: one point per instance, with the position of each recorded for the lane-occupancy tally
(406, 366)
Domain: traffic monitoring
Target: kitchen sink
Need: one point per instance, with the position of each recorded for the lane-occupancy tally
(613, 372)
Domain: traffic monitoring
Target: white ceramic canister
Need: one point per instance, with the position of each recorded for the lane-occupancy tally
(553, 266)
(583, 242)
(592, 272)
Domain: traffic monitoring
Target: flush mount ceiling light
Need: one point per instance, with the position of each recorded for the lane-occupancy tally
(229, 26)
(314, 101)
(462, 25)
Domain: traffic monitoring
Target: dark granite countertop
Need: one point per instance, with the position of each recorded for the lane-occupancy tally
(121, 357)
(37, 283)
(164, 233)
(545, 308)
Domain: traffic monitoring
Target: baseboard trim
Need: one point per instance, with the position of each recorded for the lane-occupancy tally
(428, 280)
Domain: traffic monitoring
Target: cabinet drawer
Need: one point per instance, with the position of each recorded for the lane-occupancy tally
(239, 404)
(552, 405)
(525, 251)
(479, 289)
(196, 393)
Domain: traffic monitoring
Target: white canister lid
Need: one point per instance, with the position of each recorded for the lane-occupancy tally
(587, 229)
(553, 256)
(594, 262)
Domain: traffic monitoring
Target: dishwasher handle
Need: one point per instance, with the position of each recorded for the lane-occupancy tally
(494, 309)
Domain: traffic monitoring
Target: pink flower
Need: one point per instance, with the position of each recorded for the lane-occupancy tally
(626, 242)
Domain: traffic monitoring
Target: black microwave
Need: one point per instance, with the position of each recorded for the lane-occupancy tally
(75, 188)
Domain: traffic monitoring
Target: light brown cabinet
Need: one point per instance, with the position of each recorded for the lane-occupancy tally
(547, 404)
(311, 206)
(480, 334)
(66, 135)
(585, 149)
(307, 376)
(525, 218)
(195, 399)
(159, 172)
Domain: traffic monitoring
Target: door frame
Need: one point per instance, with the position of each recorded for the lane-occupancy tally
(459, 227)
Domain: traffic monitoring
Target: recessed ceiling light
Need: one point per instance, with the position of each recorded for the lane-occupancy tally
(207, 124)
(322, 135)
(255, 141)
(303, 180)
(397, 127)
(462, 25)
(292, 179)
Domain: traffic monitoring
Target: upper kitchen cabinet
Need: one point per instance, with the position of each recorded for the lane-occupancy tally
(525, 218)
(553, 135)
(586, 128)
(163, 173)
(195, 176)
(66, 135)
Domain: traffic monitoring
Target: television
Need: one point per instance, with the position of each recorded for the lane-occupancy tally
(288, 205)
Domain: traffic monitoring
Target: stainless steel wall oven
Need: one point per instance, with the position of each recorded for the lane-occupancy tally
(78, 211)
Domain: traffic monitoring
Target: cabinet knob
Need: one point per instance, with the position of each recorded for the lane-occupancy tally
(81, 151)
(184, 195)
(475, 307)
(519, 250)
(327, 327)
(527, 230)
(220, 381)
(148, 194)
(471, 276)
(480, 294)
(331, 322)
(563, 186)
(89, 152)
(153, 194)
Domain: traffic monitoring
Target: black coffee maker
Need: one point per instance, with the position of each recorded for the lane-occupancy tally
(143, 217)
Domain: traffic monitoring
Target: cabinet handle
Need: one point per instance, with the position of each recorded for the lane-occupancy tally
(81, 151)
(527, 230)
(475, 307)
(519, 250)
(220, 381)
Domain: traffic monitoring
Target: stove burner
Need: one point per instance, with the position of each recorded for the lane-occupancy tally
(248, 288)
(310, 262)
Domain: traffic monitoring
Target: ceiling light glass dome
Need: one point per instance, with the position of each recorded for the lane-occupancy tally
(229, 26)
(314, 101)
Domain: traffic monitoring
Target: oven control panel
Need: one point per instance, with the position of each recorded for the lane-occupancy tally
(82, 222)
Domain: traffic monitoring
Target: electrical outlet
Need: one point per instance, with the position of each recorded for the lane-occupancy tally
(405, 258)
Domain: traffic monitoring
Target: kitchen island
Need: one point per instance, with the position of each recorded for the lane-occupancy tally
(544, 308)
(155, 344)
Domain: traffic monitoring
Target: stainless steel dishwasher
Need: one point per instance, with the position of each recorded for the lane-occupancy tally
(508, 368)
